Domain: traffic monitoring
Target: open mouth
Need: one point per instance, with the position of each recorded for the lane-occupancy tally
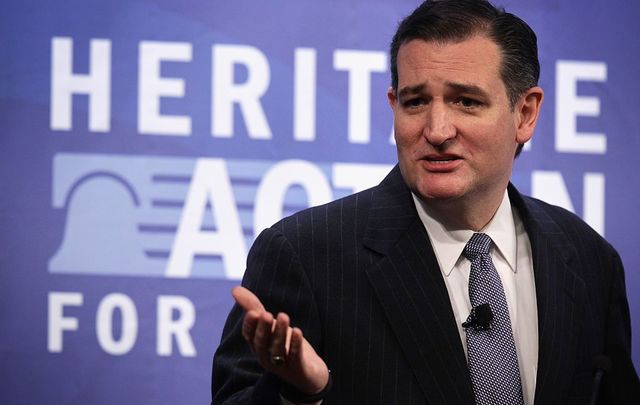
(441, 163)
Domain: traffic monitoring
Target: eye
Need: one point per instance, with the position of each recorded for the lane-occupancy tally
(468, 103)
(413, 102)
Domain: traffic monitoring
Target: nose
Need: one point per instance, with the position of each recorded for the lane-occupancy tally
(439, 128)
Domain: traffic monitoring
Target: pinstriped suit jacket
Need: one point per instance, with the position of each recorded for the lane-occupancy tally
(360, 278)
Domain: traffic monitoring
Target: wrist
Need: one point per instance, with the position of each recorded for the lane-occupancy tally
(293, 394)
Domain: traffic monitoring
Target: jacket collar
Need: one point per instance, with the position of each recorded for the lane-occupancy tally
(560, 294)
(409, 286)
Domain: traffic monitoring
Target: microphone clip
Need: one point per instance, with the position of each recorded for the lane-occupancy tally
(480, 318)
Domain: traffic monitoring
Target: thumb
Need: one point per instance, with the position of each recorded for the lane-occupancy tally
(246, 299)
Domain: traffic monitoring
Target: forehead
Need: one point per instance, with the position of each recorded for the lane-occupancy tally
(475, 60)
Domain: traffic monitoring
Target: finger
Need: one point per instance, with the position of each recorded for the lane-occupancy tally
(262, 337)
(295, 347)
(246, 299)
(287, 343)
(278, 342)
(249, 325)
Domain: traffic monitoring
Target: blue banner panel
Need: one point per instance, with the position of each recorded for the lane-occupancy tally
(144, 145)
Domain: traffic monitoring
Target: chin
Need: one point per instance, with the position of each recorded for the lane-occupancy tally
(438, 188)
(437, 192)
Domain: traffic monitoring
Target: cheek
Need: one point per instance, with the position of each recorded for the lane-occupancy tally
(402, 142)
(407, 134)
(406, 147)
(496, 138)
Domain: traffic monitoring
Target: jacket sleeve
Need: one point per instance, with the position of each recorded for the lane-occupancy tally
(621, 384)
(274, 273)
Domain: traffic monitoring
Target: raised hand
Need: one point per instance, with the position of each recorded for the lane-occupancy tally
(279, 348)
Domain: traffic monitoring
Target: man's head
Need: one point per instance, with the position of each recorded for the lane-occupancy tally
(457, 20)
(464, 98)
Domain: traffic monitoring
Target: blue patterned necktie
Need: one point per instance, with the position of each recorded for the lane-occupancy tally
(493, 362)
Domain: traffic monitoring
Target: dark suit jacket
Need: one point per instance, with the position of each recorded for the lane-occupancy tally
(361, 280)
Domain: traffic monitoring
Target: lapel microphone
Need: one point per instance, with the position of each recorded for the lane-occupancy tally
(479, 318)
(601, 364)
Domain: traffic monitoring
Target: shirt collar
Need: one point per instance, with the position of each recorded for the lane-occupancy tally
(448, 242)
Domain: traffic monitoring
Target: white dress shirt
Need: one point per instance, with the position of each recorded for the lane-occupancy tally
(511, 255)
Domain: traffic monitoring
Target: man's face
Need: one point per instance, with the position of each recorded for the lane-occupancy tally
(455, 130)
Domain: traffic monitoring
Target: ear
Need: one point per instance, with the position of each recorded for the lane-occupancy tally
(527, 111)
(392, 97)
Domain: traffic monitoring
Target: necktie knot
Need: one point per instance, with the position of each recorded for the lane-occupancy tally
(479, 244)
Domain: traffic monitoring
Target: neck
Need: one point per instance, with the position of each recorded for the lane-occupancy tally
(467, 213)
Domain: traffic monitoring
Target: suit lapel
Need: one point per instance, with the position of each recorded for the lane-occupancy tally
(409, 286)
(560, 296)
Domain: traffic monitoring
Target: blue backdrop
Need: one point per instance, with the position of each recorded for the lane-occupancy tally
(143, 145)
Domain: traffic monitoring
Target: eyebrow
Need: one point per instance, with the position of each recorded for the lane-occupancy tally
(410, 90)
(470, 89)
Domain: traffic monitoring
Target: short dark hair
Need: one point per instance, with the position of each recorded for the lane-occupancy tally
(458, 20)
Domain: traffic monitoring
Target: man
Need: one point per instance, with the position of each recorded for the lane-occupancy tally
(378, 285)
